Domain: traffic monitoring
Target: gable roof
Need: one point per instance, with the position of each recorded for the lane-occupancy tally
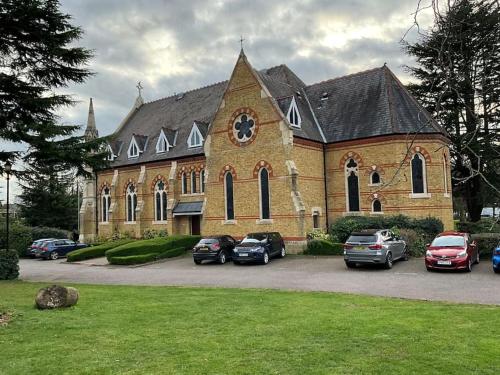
(361, 105)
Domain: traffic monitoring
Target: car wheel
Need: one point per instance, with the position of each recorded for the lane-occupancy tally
(388, 261)
(54, 255)
(197, 261)
(282, 252)
(496, 270)
(406, 254)
(477, 258)
(350, 264)
(222, 257)
(428, 269)
(469, 265)
(265, 260)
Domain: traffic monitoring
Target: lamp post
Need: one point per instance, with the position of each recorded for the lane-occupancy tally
(7, 168)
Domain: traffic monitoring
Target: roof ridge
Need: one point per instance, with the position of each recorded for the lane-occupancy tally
(186, 92)
(275, 80)
(346, 76)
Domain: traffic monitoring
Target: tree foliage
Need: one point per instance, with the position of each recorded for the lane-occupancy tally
(38, 57)
(458, 72)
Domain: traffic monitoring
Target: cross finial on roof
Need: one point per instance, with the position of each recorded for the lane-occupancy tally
(139, 87)
(241, 42)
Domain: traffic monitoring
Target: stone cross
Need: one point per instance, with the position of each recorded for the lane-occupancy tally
(139, 87)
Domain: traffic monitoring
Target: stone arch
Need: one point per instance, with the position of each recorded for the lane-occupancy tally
(262, 164)
(156, 180)
(351, 155)
(227, 168)
(130, 181)
(418, 150)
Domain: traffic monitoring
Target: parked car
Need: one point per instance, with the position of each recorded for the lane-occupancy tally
(58, 248)
(33, 249)
(259, 247)
(452, 250)
(374, 246)
(496, 259)
(218, 248)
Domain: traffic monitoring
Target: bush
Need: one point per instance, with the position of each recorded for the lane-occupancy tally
(318, 234)
(47, 232)
(95, 251)
(481, 226)
(178, 251)
(324, 247)
(133, 259)
(486, 244)
(9, 264)
(153, 246)
(415, 241)
(153, 233)
(343, 227)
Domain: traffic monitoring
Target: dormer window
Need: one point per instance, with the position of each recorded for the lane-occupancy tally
(293, 114)
(110, 154)
(133, 149)
(162, 145)
(195, 138)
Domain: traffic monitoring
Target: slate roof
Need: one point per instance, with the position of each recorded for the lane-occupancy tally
(362, 105)
(183, 208)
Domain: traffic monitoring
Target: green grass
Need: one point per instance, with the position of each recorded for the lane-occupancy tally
(168, 330)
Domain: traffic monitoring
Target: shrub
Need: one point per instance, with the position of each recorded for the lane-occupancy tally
(323, 247)
(133, 259)
(153, 233)
(486, 244)
(47, 232)
(178, 251)
(481, 226)
(318, 234)
(95, 251)
(415, 241)
(9, 264)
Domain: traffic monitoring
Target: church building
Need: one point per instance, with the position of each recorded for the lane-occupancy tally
(264, 151)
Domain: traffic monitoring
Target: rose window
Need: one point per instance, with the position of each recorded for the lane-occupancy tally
(244, 127)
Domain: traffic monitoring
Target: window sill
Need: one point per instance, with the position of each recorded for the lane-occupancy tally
(377, 213)
(419, 195)
(264, 221)
(130, 222)
(159, 222)
(104, 223)
(353, 213)
(192, 194)
(375, 185)
(446, 195)
(229, 222)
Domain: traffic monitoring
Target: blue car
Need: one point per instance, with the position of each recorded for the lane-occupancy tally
(55, 249)
(496, 259)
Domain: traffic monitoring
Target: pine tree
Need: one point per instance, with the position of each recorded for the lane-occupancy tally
(38, 56)
(459, 83)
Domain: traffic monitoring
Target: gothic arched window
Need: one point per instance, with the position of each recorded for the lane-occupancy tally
(184, 183)
(105, 204)
(352, 184)
(131, 203)
(375, 178)
(418, 174)
(202, 181)
(265, 212)
(160, 202)
(445, 174)
(193, 182)
(228, 192)
(376, 206)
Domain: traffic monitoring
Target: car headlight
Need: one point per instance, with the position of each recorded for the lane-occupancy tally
(235, 250)
(462, 254)
(254, 250)
(428, 253)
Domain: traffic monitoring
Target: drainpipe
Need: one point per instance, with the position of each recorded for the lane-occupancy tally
(95, 207)
(326, 190)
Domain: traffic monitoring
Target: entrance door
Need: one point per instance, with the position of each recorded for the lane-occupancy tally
(195, 225)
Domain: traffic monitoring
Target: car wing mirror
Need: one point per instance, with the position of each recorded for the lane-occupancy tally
(427, 244)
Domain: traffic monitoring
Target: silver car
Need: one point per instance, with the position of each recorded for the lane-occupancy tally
(377, 246)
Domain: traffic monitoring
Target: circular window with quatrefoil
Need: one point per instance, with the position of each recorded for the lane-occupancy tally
(243, 127)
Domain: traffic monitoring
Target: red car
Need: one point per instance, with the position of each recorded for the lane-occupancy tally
(452, 250)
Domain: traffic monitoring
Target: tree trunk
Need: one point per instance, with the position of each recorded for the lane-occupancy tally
(473, 198)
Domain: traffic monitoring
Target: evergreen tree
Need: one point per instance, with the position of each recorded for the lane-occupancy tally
(38, 56)
(459, 83)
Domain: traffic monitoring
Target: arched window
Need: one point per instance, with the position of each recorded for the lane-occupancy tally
(376, 206)
(352, 184)
(184, 183)
(228, 192)
(375, 178)
(202, 181)
(418, 174)
(264, 194)
(445, 174)
(131, 203)
(105, 204)
(193, 182)
(160, 202)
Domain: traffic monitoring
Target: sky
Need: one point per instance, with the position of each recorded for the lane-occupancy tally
(173, 46)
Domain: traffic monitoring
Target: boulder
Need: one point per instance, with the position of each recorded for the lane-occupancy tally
(56, 296)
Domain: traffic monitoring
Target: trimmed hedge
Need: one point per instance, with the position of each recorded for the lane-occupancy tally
(178, 251)
(95, 251)
(343, 227)
(9, 264)
(323, 247)
(146, 258)
(157, 246)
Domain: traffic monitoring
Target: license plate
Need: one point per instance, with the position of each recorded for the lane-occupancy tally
(359, 247)
(243, 255)
(203, 248)
(444, 262)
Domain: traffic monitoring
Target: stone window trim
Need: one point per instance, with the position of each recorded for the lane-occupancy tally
(133, 149)
(162, 145)
(110, 154)
(420, 195)
(130, 203)
(229, 197)
(415, 158)
(293, 114)
(235, 117)
(264, 196)
(446, 193)
(264, 221)
(105, 204)
(229, 222)
(373, 206)
(156, 222)
(195, 138)
(351, 173)
(160, 202)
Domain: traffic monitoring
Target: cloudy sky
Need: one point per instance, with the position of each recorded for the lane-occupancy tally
(178, 45)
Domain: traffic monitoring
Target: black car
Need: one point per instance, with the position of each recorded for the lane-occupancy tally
(259, 247)
(58, 248)
(218, 248)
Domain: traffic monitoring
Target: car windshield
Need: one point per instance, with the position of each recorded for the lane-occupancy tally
(207, 241)
(254, 238)
(449, 241)
(362, 239)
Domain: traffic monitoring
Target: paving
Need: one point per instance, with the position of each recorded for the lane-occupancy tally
(405, 280)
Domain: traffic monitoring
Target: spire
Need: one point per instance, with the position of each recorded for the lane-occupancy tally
(91, 130)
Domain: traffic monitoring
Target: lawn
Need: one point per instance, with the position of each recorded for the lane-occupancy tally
(171, 330)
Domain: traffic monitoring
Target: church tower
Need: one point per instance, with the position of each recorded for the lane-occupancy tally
(88, 209)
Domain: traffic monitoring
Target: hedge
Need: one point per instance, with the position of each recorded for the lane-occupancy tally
(486, 243)
(481, 226)
(9, 264)
(343, 227)
(95, 251)
(145, 258)
(323, 247)
(153, 246)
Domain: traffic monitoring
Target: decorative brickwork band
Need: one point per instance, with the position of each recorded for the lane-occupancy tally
(187, 169)
(351, 155)
(262, 164)
(156, 180)
(370, 198)
(130, 181)
(418, 150)
(104, 185)
(227, 168)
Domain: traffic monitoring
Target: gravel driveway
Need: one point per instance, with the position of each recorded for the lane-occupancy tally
(405, 280)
